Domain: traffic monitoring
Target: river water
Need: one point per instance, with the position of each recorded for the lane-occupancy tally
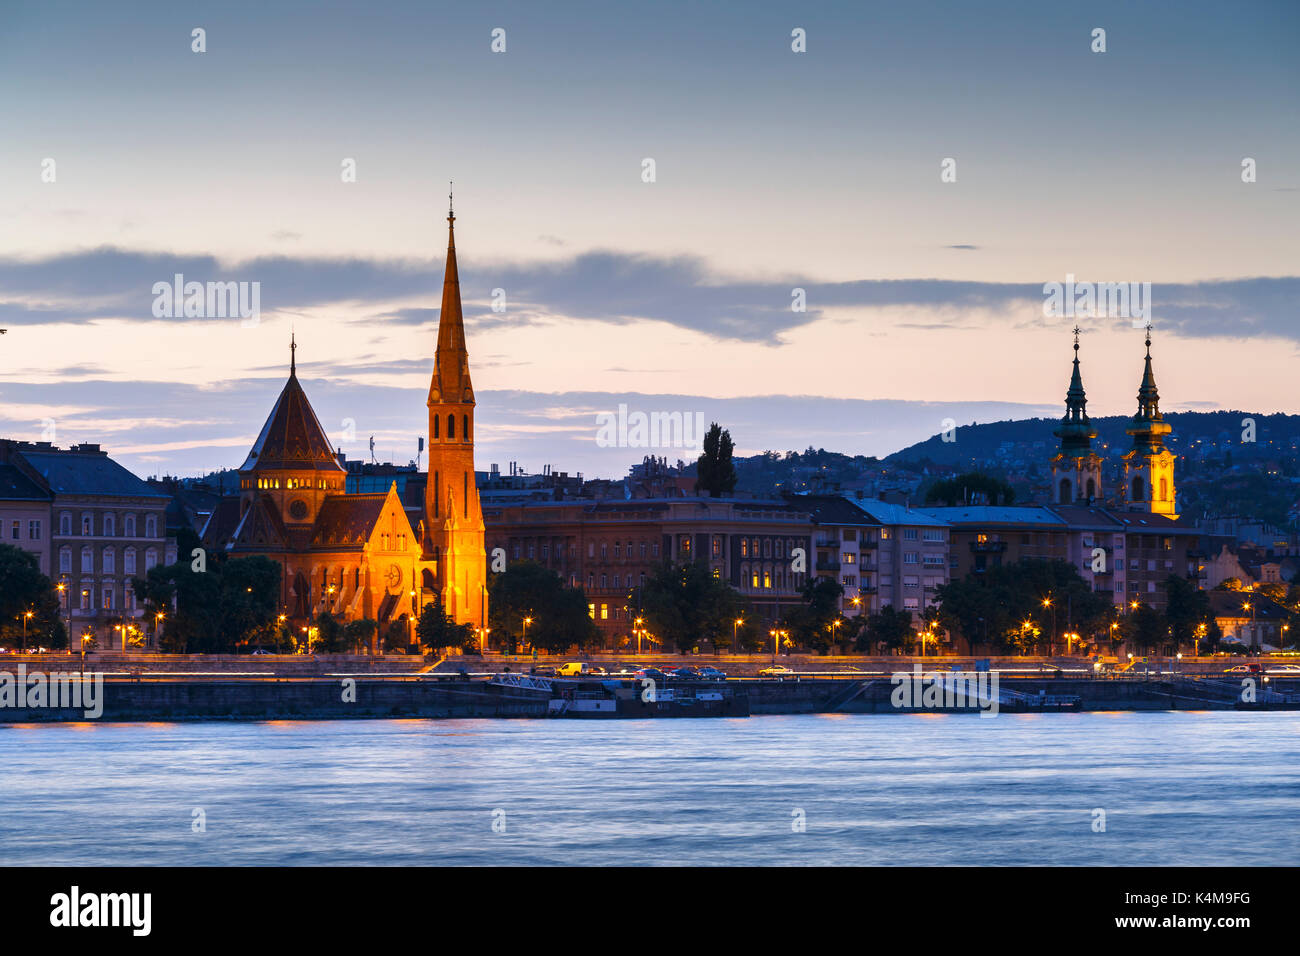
(1176, 788)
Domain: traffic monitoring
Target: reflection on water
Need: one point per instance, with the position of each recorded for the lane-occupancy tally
(1176, 788)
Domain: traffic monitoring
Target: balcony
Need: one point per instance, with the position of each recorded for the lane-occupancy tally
(869, 545)
(829, 565)
(988, 547)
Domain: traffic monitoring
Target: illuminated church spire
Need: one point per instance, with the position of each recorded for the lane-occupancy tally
(1076, 469)
(453, 518)
(1149, 465)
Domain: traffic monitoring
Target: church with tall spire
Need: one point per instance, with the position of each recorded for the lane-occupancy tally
(351, 555)
(1076, 469)
(453, 530)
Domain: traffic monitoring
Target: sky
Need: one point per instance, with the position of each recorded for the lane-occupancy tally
(920, 171)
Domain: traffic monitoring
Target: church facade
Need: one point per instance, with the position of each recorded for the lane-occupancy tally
(358, 555)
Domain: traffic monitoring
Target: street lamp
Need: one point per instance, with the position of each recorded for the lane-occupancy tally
(735, 626)
(1051, 640)
(527, 621)
(639, 631)
(27, 616)
(62, 588)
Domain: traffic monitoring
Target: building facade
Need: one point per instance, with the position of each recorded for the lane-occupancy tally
(106, 526)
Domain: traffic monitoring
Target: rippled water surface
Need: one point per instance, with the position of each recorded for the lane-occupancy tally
(1176, 788)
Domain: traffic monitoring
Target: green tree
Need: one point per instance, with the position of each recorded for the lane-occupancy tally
(436, 631)
(1144, 628)
(558, 614)
(810, 624)
(715, 471)
(963, 488)
(232, 602)
(23, 591)
(357, 634)
(889, 628)
(1187, 608)
(684, 604)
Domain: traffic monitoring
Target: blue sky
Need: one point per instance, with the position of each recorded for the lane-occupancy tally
(774, 170)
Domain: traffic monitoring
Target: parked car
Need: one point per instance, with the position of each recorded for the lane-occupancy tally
(542, 670)
(1244, 669)
(684, 673)
(651, 673)
(776, 670)
(571, 669)
(711, 673)
(595, 670)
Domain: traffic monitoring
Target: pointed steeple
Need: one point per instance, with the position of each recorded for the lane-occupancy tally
(1076, 432)
(1148, 427)
(293, 437)
(451, 383)
(1148, 397)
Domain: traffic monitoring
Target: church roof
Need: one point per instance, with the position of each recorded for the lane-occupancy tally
(451, 382)
(345, 522)
(292, 437)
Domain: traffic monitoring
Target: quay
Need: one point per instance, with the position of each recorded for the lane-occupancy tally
(253, 688)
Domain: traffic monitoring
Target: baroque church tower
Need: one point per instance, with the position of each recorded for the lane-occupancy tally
(453, 518)
(1076, 469)
(1149, 465)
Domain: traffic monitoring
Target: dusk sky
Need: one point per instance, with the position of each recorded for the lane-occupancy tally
(773, 170)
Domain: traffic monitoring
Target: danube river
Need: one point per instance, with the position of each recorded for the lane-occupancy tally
(1176, 788)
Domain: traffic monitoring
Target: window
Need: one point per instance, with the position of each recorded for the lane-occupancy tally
(909, 557)
(591, 610)
(849, 580)
(932, 534)
(109, 562)
(848, 557)
(604, 551)
(85, 526)
(65, 523)
(87, 561)
(779, 548)
(686, 545)
(744, 547)
(767, 547)
(604, 578)
(34, 530)
(65, 560)
(617, 578)
(911, 581)
(150, 558)
(909, 534)
(642, 549)
(85, 599)
(451, 427)
(128, 561)
(604, 612)
(618, 550)
(151, 527)
(110, 526)
(17, 529)
(108, 599)
(591, 549)
(654, 549)
(717, 546)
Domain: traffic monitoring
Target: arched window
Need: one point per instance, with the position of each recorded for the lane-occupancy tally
(128, 526)
(109, 564)
(1139, 489)
(65, 560)
(151, 527)
(87, 561)
(128, 561)
(435, 427)
(1063, 497)
(464, 427)
(108, 526)
(1164, 489)
(150, 558)
(65, 523)
(451, 427)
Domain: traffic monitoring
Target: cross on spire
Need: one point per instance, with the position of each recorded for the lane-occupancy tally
(293, 348)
